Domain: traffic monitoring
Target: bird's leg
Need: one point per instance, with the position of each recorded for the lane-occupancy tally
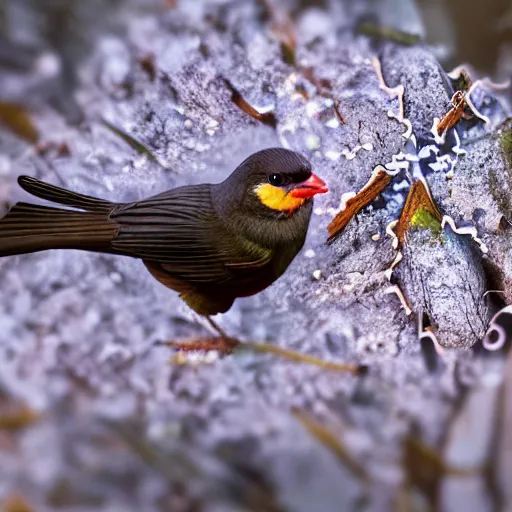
(216, 327)
(224, 343)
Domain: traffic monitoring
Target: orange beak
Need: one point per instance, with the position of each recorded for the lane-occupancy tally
(309, 188)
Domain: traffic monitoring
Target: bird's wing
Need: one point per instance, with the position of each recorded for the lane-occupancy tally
(181, 231)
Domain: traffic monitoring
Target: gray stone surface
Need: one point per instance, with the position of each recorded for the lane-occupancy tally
(120, 428)
(443, 277)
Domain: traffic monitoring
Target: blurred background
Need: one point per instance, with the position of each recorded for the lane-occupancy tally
(121, 99)
(57, 35)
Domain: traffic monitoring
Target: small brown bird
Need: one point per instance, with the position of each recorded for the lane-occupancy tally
(210, 243)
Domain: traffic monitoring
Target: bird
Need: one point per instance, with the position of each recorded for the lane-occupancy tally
(211, 243)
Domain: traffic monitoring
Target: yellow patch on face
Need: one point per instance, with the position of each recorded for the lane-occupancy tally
(276, 198)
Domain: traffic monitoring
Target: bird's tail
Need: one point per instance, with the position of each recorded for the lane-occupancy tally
(31, 228)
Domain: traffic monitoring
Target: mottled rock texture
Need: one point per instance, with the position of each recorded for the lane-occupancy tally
(120, 428)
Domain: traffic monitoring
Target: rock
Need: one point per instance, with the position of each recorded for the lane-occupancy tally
(123, 429)
(442, 276)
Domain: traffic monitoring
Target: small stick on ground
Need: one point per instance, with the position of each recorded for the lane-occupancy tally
(223, 345)
(332, 443)
(267, 118)
(228, 345)
(299, 357)
(135, 144)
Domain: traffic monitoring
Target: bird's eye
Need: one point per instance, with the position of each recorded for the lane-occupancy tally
(275, 179)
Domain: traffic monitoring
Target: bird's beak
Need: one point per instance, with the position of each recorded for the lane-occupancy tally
(312, 186)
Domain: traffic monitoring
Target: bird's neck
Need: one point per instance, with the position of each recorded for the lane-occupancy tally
(268, 229)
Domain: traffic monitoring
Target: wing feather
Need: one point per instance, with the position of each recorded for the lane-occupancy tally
(181, 231)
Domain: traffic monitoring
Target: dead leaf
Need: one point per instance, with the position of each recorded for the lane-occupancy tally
(16, 119)
(419, 209)
(379, 180)
(453, 116)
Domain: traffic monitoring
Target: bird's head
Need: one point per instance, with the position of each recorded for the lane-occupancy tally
(276, 181)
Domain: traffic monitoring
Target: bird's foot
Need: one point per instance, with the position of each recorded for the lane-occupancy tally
(223, 345)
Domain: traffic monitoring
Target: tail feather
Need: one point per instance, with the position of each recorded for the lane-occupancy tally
(59, 195)
(31, 228)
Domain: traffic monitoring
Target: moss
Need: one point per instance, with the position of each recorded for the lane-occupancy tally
(424, 219)
(506, 145)
(388, 33)
(500, 187)
(499, 192)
